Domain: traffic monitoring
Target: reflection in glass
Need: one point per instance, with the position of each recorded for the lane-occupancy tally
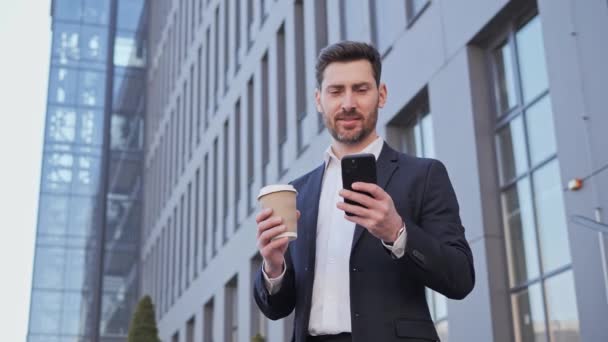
(562, 309)
(81, 216)
(57, 171)
(531, 56)
(518, 219)
(91, 127)
(91, 88)
(528, 315)
(61, 124)
(96, 11)
(551, 219)
(48, 268)
(75, 269)
(53, 213)
(128, 51)
(71, 322)
(512, 150)
(66, 46)
(541, 132)
(129, 14)
(126, 132)
(62, 86)
(45, 312)
(93, 43)
(505, 76)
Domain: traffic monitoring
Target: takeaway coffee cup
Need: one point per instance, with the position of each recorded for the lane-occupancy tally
(282, 199)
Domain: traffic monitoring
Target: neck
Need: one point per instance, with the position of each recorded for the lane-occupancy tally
(341, 149)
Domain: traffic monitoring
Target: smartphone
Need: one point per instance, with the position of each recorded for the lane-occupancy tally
(358, 168)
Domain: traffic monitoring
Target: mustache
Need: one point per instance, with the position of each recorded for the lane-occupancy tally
(351, 114)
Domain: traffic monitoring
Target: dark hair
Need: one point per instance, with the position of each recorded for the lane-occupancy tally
(348, 51)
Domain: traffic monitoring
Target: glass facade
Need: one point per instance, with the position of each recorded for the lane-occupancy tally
(89, 215)
(538, 251)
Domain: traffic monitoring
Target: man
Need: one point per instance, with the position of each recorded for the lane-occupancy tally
(362, 278)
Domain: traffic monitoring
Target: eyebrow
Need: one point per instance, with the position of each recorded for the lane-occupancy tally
(356, 85)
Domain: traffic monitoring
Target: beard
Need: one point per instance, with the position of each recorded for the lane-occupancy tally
(351, 136)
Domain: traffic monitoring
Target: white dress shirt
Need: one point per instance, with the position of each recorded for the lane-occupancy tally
(330, 310)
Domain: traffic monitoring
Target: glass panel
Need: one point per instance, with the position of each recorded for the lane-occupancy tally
(389, 22)
(91, 127)
(61, 124)
(505, 76)
(57, 171)
(125, 132)
(62, 86)
(96, 11)
(129, 14)
(428, 138)
(49, 267)
(520, 233)
(512, 158)
(46, 312)
(53, 214)
(81, 216)
(128, 91)
(541, 132)
(551, 219)
(67, 10)
(75, 265)
(529, 315)
(73, 321)
(129, 50)
(66, 47)
(91, 88)
(93, 43)
(562, 311)
(531, 56)
(87, 173)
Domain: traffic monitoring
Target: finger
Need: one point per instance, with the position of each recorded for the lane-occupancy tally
(298, 214)
(279, 243)
(354, 209)
(268, 234)
(373, 189)
(262, 215)
(363, 199)
(365, 223)
(269, 223)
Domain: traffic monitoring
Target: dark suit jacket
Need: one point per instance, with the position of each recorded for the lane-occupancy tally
(387, 295)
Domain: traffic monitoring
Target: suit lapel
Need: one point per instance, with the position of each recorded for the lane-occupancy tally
(311, 214)
(386, 165)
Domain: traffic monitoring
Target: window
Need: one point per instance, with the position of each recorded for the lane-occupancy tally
(190, 330)
(225, 193)
(237, 35)
(216, 61)
(414, 9)
(534, 221)
(184, 118)
(197, 181)
(226, 42)
(412, 130)
(191, 110)
(199, 93)
(265, 119)
(237, 161)
(250, 147)
(300, 64)
(281, 100)
(188, 240)
(259, 322)
(231, 311)
(214, 206)
(181, 242)
(205, 207)
(208, 321)
(207, 76)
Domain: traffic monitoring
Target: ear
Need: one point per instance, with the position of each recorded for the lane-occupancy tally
(382, 93)
(318, 100)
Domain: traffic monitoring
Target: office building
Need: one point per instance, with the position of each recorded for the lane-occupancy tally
(86, 275)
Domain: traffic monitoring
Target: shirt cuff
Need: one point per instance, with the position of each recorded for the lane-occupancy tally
(397, 248)
(273, 285)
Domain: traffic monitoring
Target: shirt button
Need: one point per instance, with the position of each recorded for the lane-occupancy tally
(356, 315)
(354, 269)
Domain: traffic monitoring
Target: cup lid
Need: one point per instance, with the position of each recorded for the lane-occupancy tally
(275, 188)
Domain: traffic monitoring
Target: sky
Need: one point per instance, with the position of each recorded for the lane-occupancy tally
(25, 36)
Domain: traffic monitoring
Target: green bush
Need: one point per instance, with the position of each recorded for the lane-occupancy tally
(258, 338)
(143, 325)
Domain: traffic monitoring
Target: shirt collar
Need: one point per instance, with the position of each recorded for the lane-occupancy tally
(375, 147)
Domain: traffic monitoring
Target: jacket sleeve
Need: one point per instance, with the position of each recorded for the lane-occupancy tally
(282, 303)
(436, 244)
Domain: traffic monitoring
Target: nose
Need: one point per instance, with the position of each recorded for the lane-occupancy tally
(348, 102)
